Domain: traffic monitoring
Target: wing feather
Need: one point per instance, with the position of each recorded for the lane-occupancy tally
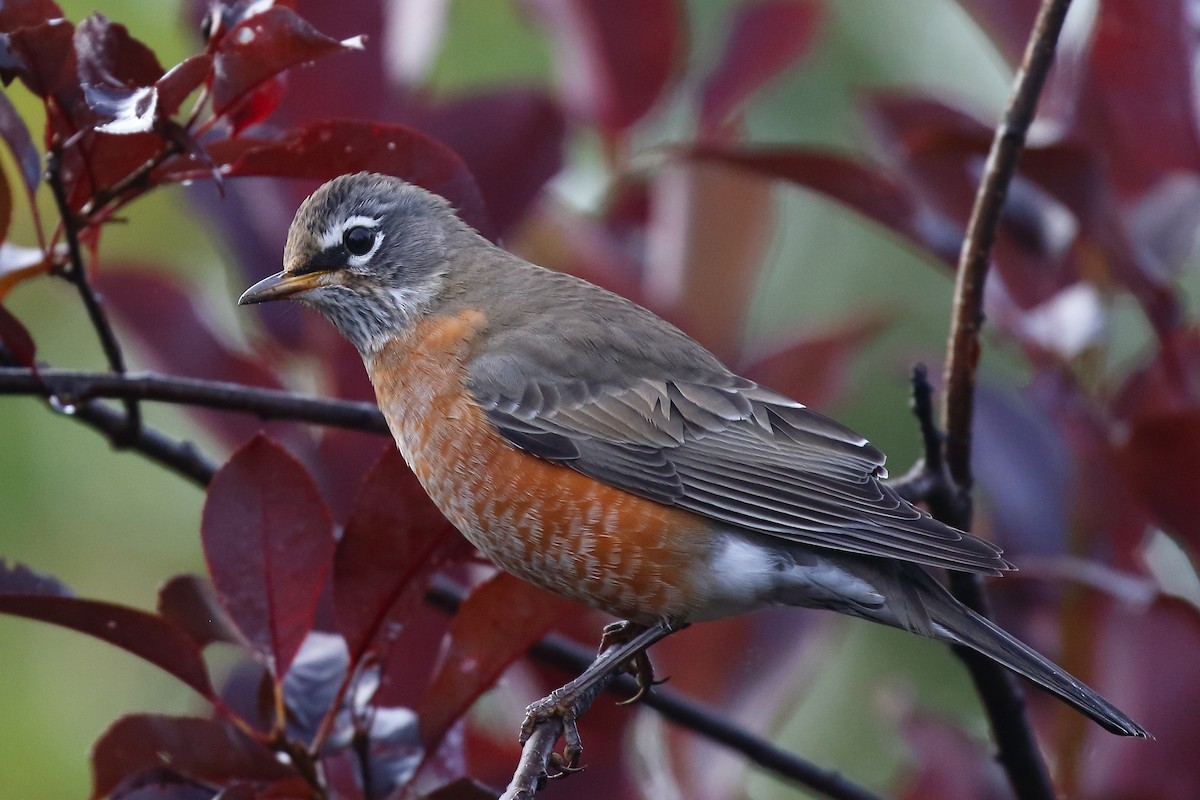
(727, 449)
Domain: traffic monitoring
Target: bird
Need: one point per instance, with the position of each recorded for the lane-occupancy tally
(586, 445)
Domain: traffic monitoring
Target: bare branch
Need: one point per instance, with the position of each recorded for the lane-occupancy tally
(1018, 751)
(76, 387)
(181, 457)
(573, 658)
(76, 273)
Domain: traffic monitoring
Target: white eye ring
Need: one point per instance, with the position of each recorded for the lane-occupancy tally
(336, 237)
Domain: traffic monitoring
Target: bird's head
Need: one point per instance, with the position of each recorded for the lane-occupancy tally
(369, 252)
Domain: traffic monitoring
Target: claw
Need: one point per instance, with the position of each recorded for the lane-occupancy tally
(629, 641)
(643, 675)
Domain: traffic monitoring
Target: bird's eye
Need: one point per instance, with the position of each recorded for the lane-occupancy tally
(358, 240)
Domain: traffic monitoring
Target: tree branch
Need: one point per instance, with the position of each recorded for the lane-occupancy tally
(76, 274)
(574, 658)
(75, 387)
(1017, 748)
(183, 458)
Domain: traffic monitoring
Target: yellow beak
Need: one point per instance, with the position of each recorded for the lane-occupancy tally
(279, 285)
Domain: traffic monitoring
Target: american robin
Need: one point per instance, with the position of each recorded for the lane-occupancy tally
(588, 446)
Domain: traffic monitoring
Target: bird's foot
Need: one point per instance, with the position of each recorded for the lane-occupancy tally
(623, 647)
(559, 707)
(639, 665)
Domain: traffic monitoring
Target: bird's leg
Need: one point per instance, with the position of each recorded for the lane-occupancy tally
(563, 706)
(639, 666)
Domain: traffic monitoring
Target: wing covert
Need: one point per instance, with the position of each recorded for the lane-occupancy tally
(726, 449)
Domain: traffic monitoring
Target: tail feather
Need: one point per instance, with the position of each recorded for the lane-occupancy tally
(964, 626)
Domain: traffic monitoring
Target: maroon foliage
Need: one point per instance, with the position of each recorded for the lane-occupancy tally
(196, 749)
(615, 57)
(109, 56)
(41, 55)
(1146, 659)
(512, 156)
(165, 320)
(950, 764)
(27, 13)
(494, 627)
(356, 679)
(261, 46)
(765, 37)
(145, 635)
(386, 552)
(1162, 461)
(16, 339)
(1006, 21)
(323, 150)
(814, 367)
(268, 542)
(192, 604)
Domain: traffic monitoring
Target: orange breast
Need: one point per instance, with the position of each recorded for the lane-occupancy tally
(540, 521)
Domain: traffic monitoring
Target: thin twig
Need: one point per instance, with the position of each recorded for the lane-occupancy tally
(184, 459)
(181, 457)
(137, 179)
(572, 658)
(928, 476)
(1017, 748)
(72, 386)
(76, 273)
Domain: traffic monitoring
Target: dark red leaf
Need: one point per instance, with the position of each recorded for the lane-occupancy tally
(20, 579)
(199, 749)
(102, 159)
(711, 227)
(1140, 87)
(1059, 211)
(16, 339)
(1144, 664)
(1161, 461)
(812, 368)
(871, 191)
(511, 157)
(615, 57)
(260, 47)
(145, 635)
(1008, 22)
(20, 144)
(27, 14)
(42, 56)
(165, 319)
(410, 655)
(109, 56)
(268, 540)
(494, 627)
(462, 789)
(1170, 382)
(950, 764)
(258, 104)
(386, 551)
(180, 81)
(766, 37)
(324, 149)
(191, 603)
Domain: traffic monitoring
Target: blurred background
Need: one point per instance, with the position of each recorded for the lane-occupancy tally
(866, 303)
